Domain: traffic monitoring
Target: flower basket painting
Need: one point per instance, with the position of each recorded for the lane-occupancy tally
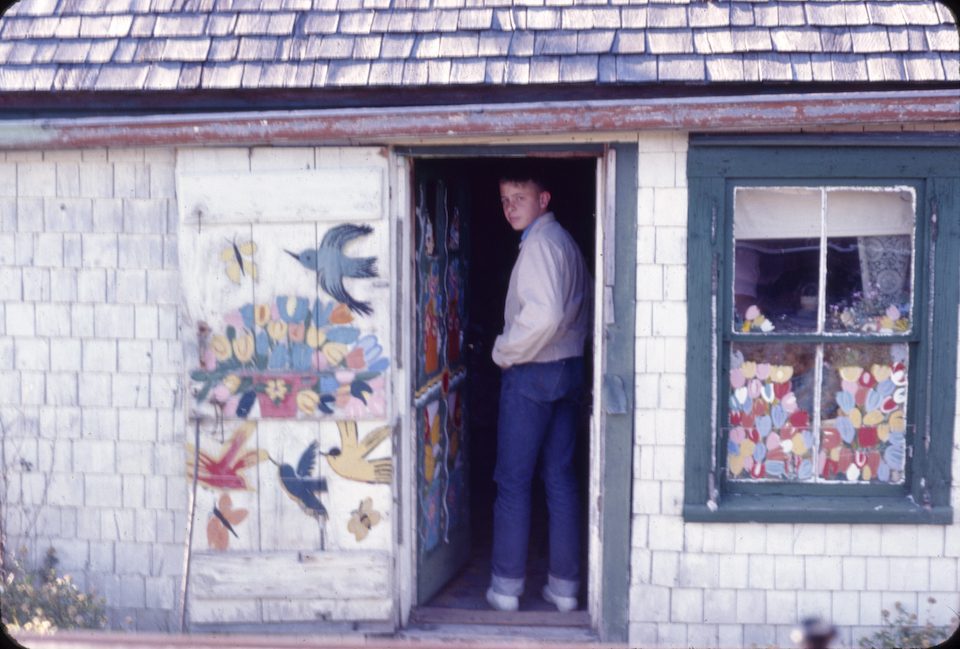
(293, 358)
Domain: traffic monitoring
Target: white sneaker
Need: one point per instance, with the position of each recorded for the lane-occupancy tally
(502, 602)
(563, 604)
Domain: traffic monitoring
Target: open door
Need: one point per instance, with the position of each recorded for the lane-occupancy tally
(443, 514)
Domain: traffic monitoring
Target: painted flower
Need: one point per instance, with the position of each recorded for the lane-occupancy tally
(292, 309)
(246, 312)
(221, 347)
(321, 313)
(231, 382)
(297, 331)
(781, 373)
(315, 337)
(277, 329)
(261, 314)
(341, 315)
(300, 357)
(335, 352)
(276, 389)
(243, 348)
(307, 401)
(279, 358)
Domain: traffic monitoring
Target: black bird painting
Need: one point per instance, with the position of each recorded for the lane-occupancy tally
(331, 265)
(301, 486)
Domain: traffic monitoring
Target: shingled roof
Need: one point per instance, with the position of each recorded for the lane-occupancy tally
(134, 45)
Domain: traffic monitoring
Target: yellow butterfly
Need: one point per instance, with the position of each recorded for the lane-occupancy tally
(363, 518)
(239, 260)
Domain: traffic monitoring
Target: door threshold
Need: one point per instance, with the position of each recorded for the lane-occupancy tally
(437, 615)
(442, 625)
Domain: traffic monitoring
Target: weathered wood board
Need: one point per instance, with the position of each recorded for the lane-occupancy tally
(282, 196)
(296, 361)
(302, 575)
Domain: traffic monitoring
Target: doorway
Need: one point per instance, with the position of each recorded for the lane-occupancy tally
(464, 251)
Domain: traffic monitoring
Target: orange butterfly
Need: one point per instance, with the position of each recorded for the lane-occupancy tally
(222, 521)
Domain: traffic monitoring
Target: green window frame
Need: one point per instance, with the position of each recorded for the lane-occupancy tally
(924, 167)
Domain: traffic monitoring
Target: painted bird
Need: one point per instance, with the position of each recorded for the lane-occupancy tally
(227, 470)
(350, 460)
(331, 265)
(301, 486)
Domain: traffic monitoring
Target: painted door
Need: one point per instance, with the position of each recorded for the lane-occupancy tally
(282, 254)
(443, 516)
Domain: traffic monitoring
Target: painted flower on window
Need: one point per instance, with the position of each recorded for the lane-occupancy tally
(754, 320)
(866, 441)
(770, 434)
(294, 357)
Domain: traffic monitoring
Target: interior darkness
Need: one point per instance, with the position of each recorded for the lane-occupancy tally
(493, 251)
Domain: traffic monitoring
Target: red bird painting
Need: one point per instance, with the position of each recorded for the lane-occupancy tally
(226, 471)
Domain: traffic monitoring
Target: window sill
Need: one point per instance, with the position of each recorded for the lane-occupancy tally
(741, 508)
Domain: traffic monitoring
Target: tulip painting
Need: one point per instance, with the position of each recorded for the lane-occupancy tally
(293, 357)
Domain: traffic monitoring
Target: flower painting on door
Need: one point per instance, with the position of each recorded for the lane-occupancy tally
(293, 357)
(285, 332)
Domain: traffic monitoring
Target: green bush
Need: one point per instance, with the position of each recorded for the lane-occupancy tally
(904, 631)
(42, 602)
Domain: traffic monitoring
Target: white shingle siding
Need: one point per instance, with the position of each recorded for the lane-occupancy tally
(84, 377)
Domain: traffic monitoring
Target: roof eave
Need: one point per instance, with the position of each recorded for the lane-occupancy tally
(406, 124)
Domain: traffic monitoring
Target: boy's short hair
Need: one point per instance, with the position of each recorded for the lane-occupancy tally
(525, 173)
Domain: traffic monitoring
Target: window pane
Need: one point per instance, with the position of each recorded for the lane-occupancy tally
(863, 413)
(771, 394)
(869, 260)
(776, 259)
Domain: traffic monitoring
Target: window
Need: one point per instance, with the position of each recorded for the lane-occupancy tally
(822, 329)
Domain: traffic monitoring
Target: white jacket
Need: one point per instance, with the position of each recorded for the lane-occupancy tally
(547, 313)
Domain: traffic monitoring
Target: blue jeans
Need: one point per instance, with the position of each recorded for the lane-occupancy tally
(539, 408)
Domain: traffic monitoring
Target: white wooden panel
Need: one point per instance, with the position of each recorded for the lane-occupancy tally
(294, 610)
(207, 260)
(223, 611)
(284, 525)
(214, 447)
(277, 575)
(284, 276)
(345, 495)
(334, 194)
(275, 158)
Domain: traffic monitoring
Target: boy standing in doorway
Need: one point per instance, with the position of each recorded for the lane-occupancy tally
(546, 321)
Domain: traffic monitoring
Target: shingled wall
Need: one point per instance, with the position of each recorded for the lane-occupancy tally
(90, 365)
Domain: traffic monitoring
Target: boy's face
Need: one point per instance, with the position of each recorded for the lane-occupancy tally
(523, 203)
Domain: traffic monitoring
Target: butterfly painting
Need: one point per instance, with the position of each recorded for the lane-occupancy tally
(222, 523)
(362, 519)
(238, 258)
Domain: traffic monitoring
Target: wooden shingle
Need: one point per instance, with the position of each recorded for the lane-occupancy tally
(289, 43)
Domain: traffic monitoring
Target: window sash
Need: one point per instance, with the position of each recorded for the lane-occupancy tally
(727, 336)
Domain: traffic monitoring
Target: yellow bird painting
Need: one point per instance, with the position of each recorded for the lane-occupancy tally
(350, 460)
(239, 260)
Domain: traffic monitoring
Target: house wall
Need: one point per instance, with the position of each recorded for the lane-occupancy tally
(743, 584)
(92, 407)
(98, 323)
(90, 367)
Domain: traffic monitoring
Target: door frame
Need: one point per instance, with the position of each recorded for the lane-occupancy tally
(611, 420)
